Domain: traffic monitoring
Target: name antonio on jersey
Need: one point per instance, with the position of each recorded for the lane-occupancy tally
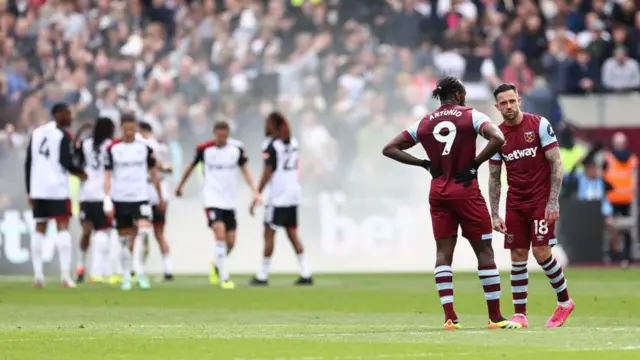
(520, 153)
(448, 112)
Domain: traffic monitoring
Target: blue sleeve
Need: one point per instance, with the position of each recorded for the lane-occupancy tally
(546, 134)
(413, 130)
(480, 120)
(606, 208)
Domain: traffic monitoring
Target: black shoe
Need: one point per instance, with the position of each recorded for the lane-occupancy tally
(168, 277)
(257, 282)
(304, 281)
(79, 278)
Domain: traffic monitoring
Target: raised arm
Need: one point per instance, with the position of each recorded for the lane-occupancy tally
(496, 139)
(395, 149)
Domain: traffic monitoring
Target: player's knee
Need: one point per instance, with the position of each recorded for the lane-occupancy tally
(519, 254)
(542, 253)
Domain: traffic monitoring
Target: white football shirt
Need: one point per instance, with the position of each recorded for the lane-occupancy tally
(220, 166)
(48, 163)
(284, 185)
(129, 163)
(161, 152)
(93, 162)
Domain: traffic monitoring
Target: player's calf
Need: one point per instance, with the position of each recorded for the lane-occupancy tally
(305, 272)
(555, 274)
(519, 282)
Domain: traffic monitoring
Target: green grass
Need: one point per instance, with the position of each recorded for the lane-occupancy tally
(342, 317)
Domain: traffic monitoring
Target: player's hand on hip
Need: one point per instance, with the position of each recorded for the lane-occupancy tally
(467, 175)
(552, 212)
(499, 225)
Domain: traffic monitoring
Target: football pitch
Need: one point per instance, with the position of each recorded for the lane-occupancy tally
(349, 317)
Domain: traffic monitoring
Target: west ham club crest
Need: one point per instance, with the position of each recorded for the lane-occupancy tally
(529, 136)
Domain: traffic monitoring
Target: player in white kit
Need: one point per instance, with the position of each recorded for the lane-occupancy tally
(48, 163)
(145, 133)
(129, 164)
(281, 176)
(91, 154)
(221, 159)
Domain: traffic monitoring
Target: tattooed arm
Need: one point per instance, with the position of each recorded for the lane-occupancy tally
(495, 187)
(552, 211)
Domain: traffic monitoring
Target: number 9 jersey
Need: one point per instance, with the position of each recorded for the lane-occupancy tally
(448, 135)
(93, 163)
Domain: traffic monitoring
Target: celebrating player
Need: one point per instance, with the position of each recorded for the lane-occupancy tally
(281, 174)
(159, 214)
(448, 135)
(91, 153)
(49, 159)
(220, 159)
(534, 175)
(128, 164)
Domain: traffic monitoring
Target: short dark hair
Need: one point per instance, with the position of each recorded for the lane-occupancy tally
(58, 107)
(504, 88)
(447, 87)
(145, 126)
(127, 117)
(221, 125)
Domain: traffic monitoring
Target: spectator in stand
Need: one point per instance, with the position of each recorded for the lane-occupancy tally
(621, 173)
(621, 73)
(582, 75)
(518, 73)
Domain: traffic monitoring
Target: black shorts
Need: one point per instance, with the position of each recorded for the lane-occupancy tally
(159, 217)
(127, 213)
(285, 216)
(621, 209)
(228, 217)
(45, 209)
(93, 212)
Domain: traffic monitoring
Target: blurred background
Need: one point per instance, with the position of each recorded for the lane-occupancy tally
(349, 75)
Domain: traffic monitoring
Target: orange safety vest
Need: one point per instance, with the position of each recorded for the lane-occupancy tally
(620, 176)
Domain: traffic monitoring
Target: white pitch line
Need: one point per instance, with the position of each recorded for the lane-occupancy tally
(429, 354)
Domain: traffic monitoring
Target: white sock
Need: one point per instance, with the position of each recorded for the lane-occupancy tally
(166, 261)
(305, 272)
(99, 253)
(115, 254)
(82, 259)
(63, 243)
(36, 255)
(263, 273)
(221, 260)
(125, 258)
(138, 254)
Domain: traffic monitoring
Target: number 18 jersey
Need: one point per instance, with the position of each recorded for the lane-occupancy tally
(448, 135)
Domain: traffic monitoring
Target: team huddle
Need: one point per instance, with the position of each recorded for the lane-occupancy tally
(122, 180)
(124, 187)
(527, 145)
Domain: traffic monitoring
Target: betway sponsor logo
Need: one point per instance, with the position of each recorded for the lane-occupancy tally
(520, 153)
(450, 112)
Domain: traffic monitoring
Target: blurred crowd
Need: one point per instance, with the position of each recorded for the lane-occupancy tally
(348, 74)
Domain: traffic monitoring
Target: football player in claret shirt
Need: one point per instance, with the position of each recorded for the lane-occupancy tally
(534, 175)
(449, 135)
